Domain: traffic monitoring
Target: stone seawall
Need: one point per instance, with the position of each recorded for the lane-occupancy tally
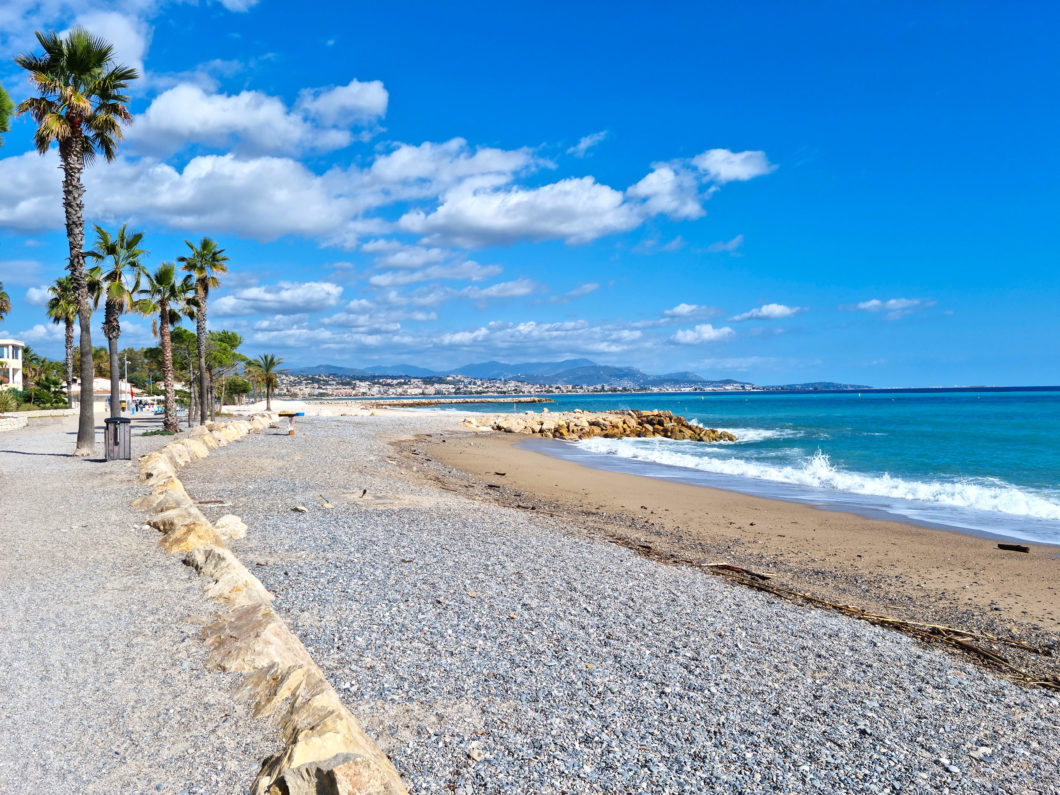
(608, 424)
(325, 749)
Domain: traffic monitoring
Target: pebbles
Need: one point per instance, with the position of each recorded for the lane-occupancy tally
(573, 665)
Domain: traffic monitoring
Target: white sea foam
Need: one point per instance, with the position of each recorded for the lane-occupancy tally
(745, 435)
(817, 471)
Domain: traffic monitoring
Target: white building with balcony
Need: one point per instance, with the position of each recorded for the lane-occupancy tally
(11, 363)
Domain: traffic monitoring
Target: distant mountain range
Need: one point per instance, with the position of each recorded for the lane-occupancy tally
(569, 372)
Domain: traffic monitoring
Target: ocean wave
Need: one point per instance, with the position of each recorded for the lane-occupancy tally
(817, 471)
(745, 435)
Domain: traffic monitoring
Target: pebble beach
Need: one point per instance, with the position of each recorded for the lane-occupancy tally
(488, 649)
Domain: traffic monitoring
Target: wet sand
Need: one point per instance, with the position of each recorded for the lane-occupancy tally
(898, 569)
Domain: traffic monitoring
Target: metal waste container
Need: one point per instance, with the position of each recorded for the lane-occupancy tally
(118, 438)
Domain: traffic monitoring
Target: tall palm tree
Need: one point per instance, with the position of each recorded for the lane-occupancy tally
(166, 293)
(5, 302)
(121, 282)
(81, 107)
(62, 308)
(269, 368)
(205, 262)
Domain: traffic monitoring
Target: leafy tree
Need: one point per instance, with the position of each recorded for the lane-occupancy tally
(222, 356)
(165, 294)
(269, 368)
(5, 302)
(236, 387)
(120, 283)
(62, 308)
(5, 112)
(81, 108)
(204, 263)
(100, 363)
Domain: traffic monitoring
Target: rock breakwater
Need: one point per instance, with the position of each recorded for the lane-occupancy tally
(580, 424)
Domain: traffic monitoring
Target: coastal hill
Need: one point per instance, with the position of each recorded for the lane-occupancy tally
(569, 372)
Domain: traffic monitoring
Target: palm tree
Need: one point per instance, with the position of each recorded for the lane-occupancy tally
(81, 107)
(166, 293)
(62, 308)
(123, 253)
(269, 368)
(205, 261)
(5, 302)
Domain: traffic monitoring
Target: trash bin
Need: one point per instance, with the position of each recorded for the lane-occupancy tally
(118, 438)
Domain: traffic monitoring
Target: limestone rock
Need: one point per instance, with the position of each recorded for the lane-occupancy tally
(188, 536)
(610, 425)
(230, 527)
(174, 518)
(233, 582)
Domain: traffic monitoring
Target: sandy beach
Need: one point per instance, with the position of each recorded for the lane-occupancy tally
(903, 570)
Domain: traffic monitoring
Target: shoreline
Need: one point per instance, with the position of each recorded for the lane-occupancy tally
(910, 572)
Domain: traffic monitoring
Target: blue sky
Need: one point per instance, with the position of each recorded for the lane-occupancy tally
(772, 192)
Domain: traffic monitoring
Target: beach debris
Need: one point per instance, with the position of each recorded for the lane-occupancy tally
(300, 509)
(1014, 547)
(472, 594)
(324, 503)
(476, 752)
(502, 474)
(363, 493)
(739, 570)
(608, 424)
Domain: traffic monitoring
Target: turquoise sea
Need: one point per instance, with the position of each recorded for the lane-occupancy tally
(986, 461)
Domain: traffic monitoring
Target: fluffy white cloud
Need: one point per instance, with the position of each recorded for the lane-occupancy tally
(467, 270)
(392, 254)
(723, 165)
(41, 333)
(704, 332)
(344, 106)
(38, 296)
(669, 191)
(249, 121)
(587, 142)
(512, 289)
(682, 310)
(770, 312)
(575, 210)
(896, 307)
(285, 298)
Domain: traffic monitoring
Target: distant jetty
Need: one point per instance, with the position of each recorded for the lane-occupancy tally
(580, 424)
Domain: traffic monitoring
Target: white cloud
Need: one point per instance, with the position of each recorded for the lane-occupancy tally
(730, 246)
(581, 149)
(285, 298)
(41, 333)
(393, 254)
(702, 333)
(769, 312)
(723, 165)
(344, 106)
(512, 289)
(681, 310)
(467, 270)
(22, 272)
(575, 210)
(669, 191)
(249, 121)
(38, 296)
(896, 307)
(577, 292)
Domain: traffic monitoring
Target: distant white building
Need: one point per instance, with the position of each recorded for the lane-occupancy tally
(11, 363)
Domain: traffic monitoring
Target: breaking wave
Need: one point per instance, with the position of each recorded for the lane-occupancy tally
(817, 471)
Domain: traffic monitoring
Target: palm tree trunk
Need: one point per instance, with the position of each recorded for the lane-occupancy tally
(111, 330)
(200, 342)
(69, 362)
(170, 418)
(70, 152)
(268, 397)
